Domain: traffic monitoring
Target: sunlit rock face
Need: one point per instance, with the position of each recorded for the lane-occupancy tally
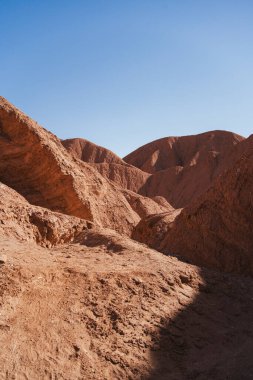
(183, 168)
(34, 162)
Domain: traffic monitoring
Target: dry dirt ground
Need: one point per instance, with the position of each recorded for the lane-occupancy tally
(110, 308)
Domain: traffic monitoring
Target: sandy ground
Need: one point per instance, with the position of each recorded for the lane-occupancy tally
(114, 309)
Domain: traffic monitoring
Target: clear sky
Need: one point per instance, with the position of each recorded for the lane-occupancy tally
(123, 73)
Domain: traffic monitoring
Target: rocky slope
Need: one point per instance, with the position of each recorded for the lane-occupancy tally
(183, 168)
(145, 206)
(89, 152)
(27, 223)
(107, 163)
(153, 228)
(179, 169)
(81, 301)
(34, 162)
(108, 308)
(126, 176)
(182, 151)
(215, 230)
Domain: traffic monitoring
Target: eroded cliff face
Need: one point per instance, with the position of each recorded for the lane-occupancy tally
(178, 169)
(21, 221)
(183, 168)
(215, 230)
(34, 162)
(153, 229)
(126, 176)
(107, 163)
(81, 301)
(145, 206)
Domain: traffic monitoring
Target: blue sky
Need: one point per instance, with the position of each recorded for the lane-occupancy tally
(123, 73)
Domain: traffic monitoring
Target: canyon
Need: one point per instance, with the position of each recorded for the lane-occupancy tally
(133, 268)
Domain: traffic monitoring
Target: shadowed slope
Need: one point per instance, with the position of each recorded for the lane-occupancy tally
(211, 336)
(109, 308)
(215, 230)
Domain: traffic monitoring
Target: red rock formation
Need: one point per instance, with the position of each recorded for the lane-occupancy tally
(216, 229)
(144, 206)
(34, 162)
(185, 167)
(177, 168)
(89, 152)
(27, 223)
(105, 306)
(108, 164)
(125, 176)
(153, 229)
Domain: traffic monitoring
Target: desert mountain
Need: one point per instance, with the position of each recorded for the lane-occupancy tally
(216, 229)
(128, 178)
(182, 151)
(34, 163)
(183, 168)
(179, 169)
(89, 152)
(80, 300)
(107, 163)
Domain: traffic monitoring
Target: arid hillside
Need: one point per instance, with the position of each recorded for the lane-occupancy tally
(107, 163)
(89, 152)
(215, 230)
(179, 169)
(34, 163)
(81, 298)
(182, 151)
(183, 168)
(127, 178)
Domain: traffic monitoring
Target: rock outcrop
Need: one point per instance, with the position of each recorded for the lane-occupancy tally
(153, 228)
(107, 163)
(179, 169)
(183, 168)
(89, 152)
(27, 223)
(34, 163)
(144, 206)
(216, 229)
(126, 176)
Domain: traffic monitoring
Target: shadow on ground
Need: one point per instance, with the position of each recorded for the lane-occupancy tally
(212, 338)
